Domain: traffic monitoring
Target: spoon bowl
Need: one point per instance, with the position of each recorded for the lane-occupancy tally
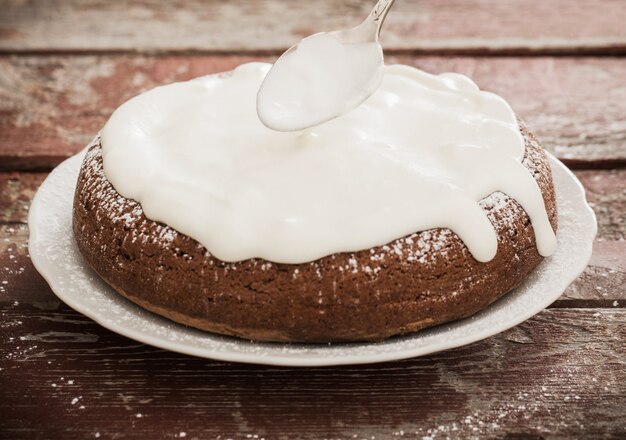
(324, 76)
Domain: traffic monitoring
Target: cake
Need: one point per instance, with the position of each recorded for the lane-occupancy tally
(417, 281)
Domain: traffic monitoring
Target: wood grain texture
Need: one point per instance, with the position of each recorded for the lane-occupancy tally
(606, 193)
(562, 374)
(68, 64)
(16, 192)
(19, 280)
(52, 106)
(457, 26)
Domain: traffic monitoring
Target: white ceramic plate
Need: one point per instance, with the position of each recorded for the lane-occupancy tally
(56, 256)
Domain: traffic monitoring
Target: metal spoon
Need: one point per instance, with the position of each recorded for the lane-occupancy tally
(324, 75)
(369, 29)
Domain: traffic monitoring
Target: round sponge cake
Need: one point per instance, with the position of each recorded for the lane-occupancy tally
(417, 281)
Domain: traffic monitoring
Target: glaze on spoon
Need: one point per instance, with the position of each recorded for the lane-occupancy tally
(324, 75)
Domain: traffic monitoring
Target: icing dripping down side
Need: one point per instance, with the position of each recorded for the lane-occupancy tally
(417, 154)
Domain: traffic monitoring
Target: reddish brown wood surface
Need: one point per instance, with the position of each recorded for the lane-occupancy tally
(606, 193)
(66, 65)
(72, 379)
(53, 106)
(512, 26)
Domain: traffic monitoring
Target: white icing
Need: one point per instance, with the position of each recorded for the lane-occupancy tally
(317, 80)
(417, 154)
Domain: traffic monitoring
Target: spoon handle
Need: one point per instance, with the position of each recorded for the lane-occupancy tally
(379, 13)
(369, 29)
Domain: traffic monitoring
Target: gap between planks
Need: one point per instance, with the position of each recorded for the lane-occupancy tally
(609, 50)
(274, 25)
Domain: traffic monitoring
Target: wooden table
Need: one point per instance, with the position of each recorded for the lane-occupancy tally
(64, 67)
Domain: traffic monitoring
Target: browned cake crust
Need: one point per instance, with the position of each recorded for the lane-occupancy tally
(418, 281)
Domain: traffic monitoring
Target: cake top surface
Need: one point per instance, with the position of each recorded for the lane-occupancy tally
(418, 154)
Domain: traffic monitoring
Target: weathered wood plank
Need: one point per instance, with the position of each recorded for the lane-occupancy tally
(601, 285)
(52, 106)
(477, 26)
(605, 190)
(19, 280)
(573, 105)
(16, 192)
(559, 375)
(606, 193)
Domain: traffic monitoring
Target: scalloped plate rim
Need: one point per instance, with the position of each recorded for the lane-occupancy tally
(49, 271)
